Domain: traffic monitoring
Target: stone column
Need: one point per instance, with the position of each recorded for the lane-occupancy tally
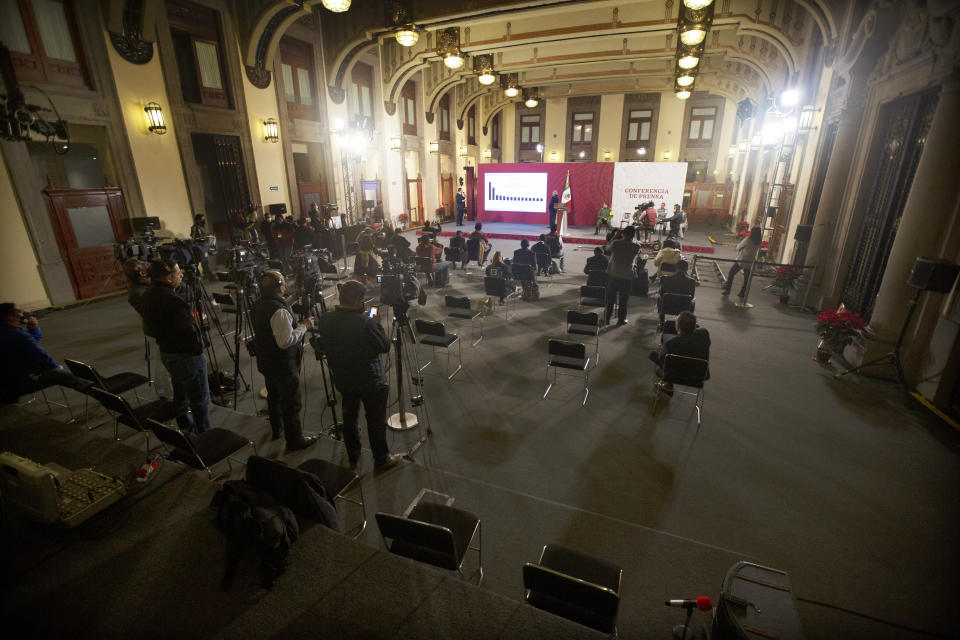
(926, 215)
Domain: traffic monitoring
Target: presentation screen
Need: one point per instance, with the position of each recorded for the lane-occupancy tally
(521, 192)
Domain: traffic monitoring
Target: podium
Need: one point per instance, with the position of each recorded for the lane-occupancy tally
(562, 219)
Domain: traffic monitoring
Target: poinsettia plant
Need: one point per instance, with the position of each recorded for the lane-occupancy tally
(743, 224)
(840, 328)
(786, 278)
(744, 233)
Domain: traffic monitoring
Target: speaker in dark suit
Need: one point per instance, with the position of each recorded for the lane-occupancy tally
(932, 274)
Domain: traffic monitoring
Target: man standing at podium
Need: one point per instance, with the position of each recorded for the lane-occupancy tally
(554, 203)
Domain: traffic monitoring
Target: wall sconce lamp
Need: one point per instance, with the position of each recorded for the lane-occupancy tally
(462, 152)
(808, 118)
(732, 151)
(641, 151)
(155, 118)
(487, 153)
(395, 144)
(606, 156)
(554, 156)
(271, 130)
(743, 146)
(434, 147)
(755, 141)
(666, 155)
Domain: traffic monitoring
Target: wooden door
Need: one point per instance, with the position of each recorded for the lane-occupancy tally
(415, 201)
(87, 223)
(311, 192)
(446, 196)
(471, 193)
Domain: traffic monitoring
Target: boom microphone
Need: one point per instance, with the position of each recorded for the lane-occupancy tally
(702, 602)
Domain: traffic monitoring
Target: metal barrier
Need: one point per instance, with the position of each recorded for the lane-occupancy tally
(753, 265)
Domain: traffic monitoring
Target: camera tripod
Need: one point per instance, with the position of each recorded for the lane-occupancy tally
(308, 307)
(404, 420)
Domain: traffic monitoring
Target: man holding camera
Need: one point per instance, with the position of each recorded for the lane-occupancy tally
(278, 344)
(623, 251)
(354, 342)
(169, 319)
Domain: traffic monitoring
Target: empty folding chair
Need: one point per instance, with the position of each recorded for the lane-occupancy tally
(435, 534)
(574, 586)
(497, 288)
(203, 451)
(597, 278)
(685, 372)
(41, 394)
(459, 308)
(593, 297)
(338, 481)
(425, 266)
(570, 356)
(672, 304)
(586, 324)
(160, 410)
(435, 335)
(544, 262)
(118, 383)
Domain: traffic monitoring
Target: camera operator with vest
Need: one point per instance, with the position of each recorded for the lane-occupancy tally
(278, 344)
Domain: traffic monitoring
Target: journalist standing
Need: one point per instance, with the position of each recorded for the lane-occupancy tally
(169, 319)
(622, 251)
(354, 343)
(278, 343)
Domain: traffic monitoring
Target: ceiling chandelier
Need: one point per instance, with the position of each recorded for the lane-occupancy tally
(448, 47)
(337, 6)
(483, 67)
(508, 82)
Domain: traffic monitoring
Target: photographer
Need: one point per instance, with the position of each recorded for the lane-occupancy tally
(354, 342)
(170, 320)
(622, 251)
(278, 341)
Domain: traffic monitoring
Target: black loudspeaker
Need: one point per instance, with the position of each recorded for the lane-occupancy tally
(803, 232)
(771, 212)
(278, 209)
(933, 274)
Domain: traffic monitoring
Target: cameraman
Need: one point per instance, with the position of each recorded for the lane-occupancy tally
(169, 319)
(278, 344)
(353, 343)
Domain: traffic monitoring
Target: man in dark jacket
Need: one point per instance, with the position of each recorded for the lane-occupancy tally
(544, 250)
(524, 255)
(278, 343)
(596, 262)
(266, 232)
(554, 203)
(623, 251)
(168, 318)
(691, 341)
(461, 206)
(680, 283)
(354, 342)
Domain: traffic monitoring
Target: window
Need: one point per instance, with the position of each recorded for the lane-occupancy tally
(701, 126)
(445, 117)
(472, 125)
(409, 98)
(195, 31)
(638, 128)
(296, 61)
(582, 129)
(43, 42)
(495, 132)
(361, 93)
(529, 131)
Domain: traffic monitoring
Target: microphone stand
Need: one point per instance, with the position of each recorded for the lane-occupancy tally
(680, 632)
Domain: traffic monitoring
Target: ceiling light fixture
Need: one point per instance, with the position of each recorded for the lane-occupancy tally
(693, 35)
(683, 94)
(530, 98)
(696, 5)
(337, 6)
(448, 47)
(688, 62)
(483, 67)
(685, 80)
(407, 35)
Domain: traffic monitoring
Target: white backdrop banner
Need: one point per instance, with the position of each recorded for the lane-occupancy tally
(524, 192)
(637, 182)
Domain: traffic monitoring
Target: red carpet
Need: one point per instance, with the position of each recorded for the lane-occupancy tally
(690, 248)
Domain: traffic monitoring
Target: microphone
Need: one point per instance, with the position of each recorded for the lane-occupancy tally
(702, 602)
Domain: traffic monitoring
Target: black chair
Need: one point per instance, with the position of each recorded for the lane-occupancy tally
(523, 272)
(459, 308)
(568, 355)
(473, 250)
(425, 266)
(117, 384)
(497, 288)
(41, 394)
(686, 372)
(585, 324)
(453, 255)
(435, 335)
(597, 278)
(673, 304)
(203, 451)
(544, 261)
(574, 586)
(435, 534)
(593, 297)
(161, 410)
(338, 481)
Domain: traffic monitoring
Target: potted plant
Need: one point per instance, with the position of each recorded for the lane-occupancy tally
(402, 220)
(837, 330)
(786, 281)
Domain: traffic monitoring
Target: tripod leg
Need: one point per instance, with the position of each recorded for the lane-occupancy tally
(888, 358)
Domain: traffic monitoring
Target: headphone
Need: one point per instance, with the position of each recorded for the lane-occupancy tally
(277, 278)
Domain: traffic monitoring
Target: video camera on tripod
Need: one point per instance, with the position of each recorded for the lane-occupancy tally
(245, 263)
(398, 283)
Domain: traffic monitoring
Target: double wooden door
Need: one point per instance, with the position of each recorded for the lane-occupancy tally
(87, 223)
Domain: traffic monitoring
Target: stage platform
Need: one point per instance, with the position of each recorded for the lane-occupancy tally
(574, 235)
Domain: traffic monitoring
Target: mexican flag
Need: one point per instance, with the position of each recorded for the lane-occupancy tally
(565, 199)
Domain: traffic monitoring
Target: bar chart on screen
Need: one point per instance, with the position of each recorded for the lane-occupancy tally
(523, 192)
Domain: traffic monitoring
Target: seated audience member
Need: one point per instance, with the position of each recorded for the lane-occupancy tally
(484, 246)
(433, 229)
(401, 244)
(304, 234)
(604, 218)
(366, 264)
(542, 248)
(681, 284)
(457, 251)
(426, 249)
(555, 244)
(667, 258)
(382, 240)
(691, 341)
(27, 367)
(596, 262)
(524, 255)
(499, 268)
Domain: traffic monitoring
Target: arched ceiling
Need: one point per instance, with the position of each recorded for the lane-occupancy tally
(565, 47)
